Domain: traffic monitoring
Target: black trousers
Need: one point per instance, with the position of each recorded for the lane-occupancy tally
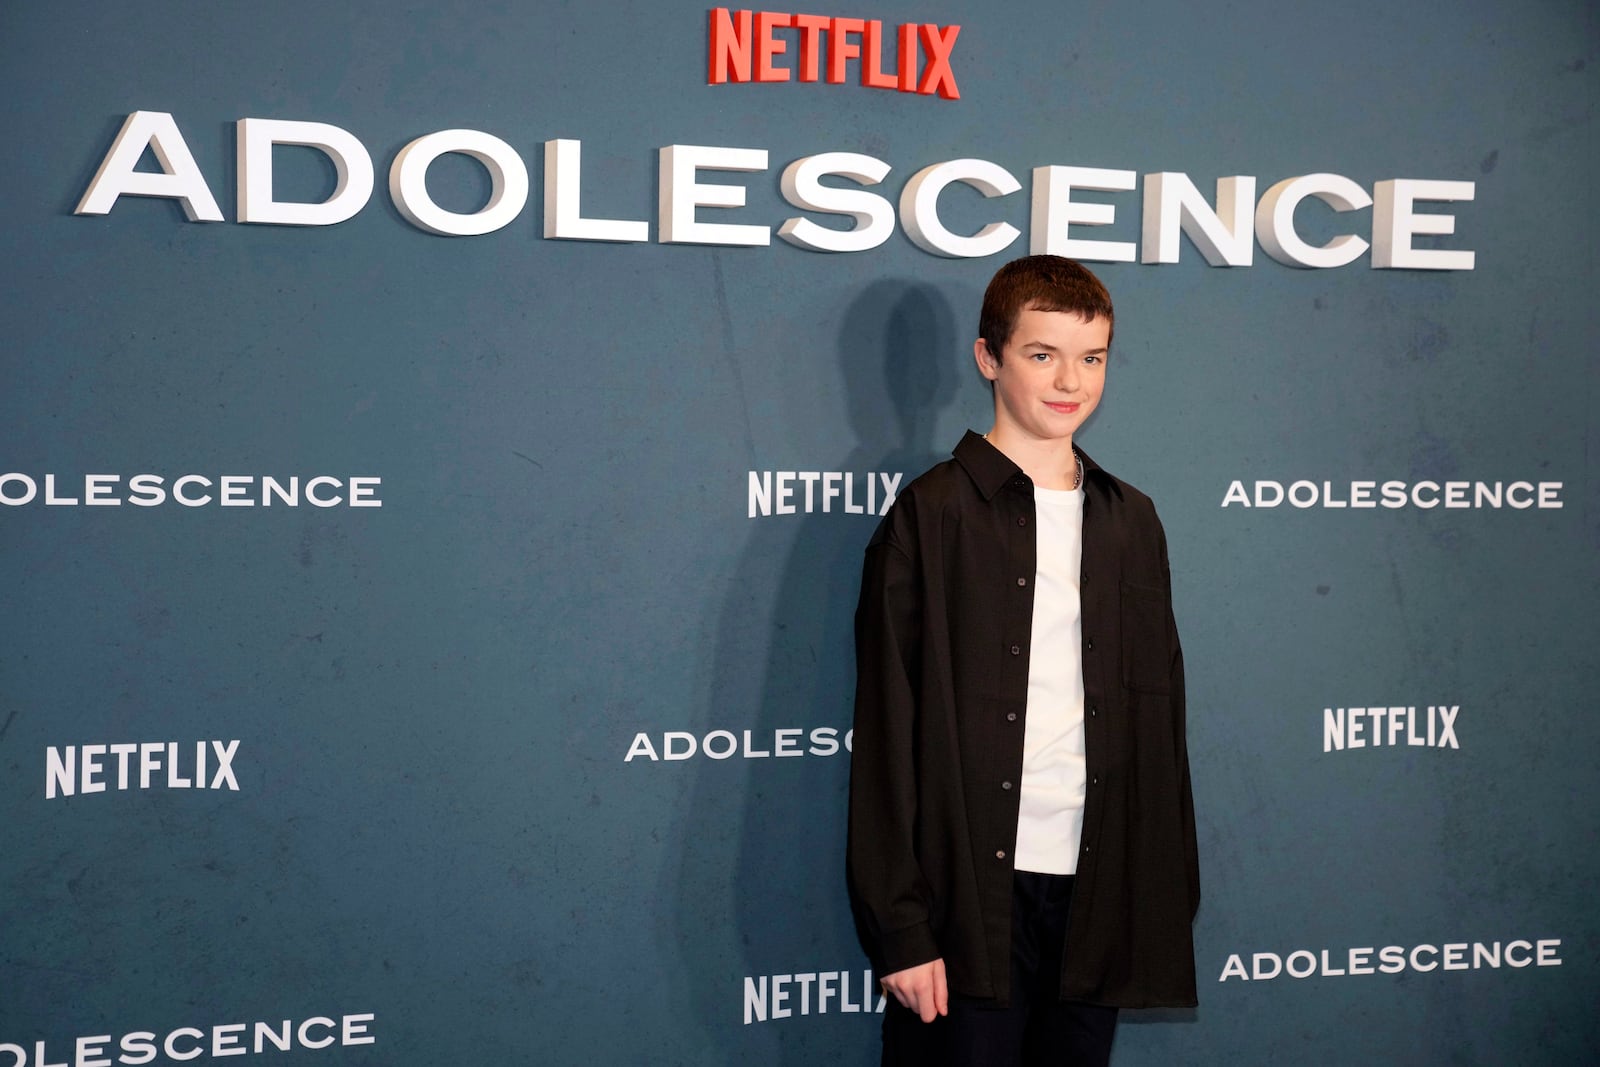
(1036, 1028)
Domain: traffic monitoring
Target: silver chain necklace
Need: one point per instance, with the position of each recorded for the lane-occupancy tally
(1077, 473)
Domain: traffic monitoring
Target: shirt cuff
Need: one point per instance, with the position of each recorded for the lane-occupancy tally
(906, 947)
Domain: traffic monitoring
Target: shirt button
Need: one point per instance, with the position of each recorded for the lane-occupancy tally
(1089, 644)
(1022, 582)
(1000, 855)
(1005, 785)
(1094, 712)
(1083, 579)
(1086, 848)
(1016, 650)
(1011, 716)
(1095, 780)
(1022, 520)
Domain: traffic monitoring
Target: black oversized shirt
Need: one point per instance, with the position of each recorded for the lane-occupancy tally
(942, 650)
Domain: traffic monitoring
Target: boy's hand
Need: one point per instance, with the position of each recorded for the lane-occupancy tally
(921, 989)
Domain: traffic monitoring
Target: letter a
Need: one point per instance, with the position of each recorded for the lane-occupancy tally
(180, 178)
(641, 747)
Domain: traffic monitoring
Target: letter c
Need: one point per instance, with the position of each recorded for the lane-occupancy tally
(311, 491)
(1275, 220)
(192, 1053)
(316, 1021)
(190, 502)
(919, 208)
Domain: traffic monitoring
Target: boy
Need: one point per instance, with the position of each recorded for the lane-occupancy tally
(1022, 850)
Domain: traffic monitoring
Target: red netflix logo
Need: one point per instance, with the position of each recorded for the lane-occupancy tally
(745, 46)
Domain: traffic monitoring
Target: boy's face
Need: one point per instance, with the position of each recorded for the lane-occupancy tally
(1051, 376)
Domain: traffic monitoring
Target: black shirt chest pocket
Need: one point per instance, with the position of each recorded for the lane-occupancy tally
(1146, 638)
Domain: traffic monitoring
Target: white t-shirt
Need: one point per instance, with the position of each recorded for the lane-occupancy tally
(1050, 819)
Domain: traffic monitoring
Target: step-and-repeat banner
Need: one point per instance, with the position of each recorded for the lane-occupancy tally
(437, 445)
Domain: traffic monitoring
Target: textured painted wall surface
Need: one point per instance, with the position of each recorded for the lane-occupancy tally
(436, 820)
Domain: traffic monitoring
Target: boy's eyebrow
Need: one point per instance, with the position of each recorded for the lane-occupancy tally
(1101, 351)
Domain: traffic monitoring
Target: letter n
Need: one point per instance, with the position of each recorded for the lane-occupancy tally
(760, 493)
(732, 45)
(61, 775)
(755, 1000)
(1332, 729)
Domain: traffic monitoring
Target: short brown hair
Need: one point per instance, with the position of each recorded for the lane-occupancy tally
(1040, 283)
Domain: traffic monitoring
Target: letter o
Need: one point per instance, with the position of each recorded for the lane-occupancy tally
(849, 740)
(508, 175)
(1295, 499)
(1311, 964)
(717, 736)
(33, 491)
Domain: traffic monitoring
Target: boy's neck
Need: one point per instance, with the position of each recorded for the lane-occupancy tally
(1050, 464)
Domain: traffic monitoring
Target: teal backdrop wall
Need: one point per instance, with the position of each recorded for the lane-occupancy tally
(543, 760)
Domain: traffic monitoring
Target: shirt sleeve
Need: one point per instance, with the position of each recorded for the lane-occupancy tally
(1191, 849)
(889, 892)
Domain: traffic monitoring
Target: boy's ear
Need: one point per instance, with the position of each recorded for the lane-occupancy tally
(988, 365)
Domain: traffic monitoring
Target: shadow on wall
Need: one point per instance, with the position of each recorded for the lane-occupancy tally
(760, 881)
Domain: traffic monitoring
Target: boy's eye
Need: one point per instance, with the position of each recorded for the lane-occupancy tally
(1040, 357)
(1091, 359)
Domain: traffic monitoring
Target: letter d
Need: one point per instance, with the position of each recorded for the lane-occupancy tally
(352, 164)
(669, 749)
(1263, 488)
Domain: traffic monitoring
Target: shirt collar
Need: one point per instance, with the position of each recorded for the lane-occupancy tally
(990, 469)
